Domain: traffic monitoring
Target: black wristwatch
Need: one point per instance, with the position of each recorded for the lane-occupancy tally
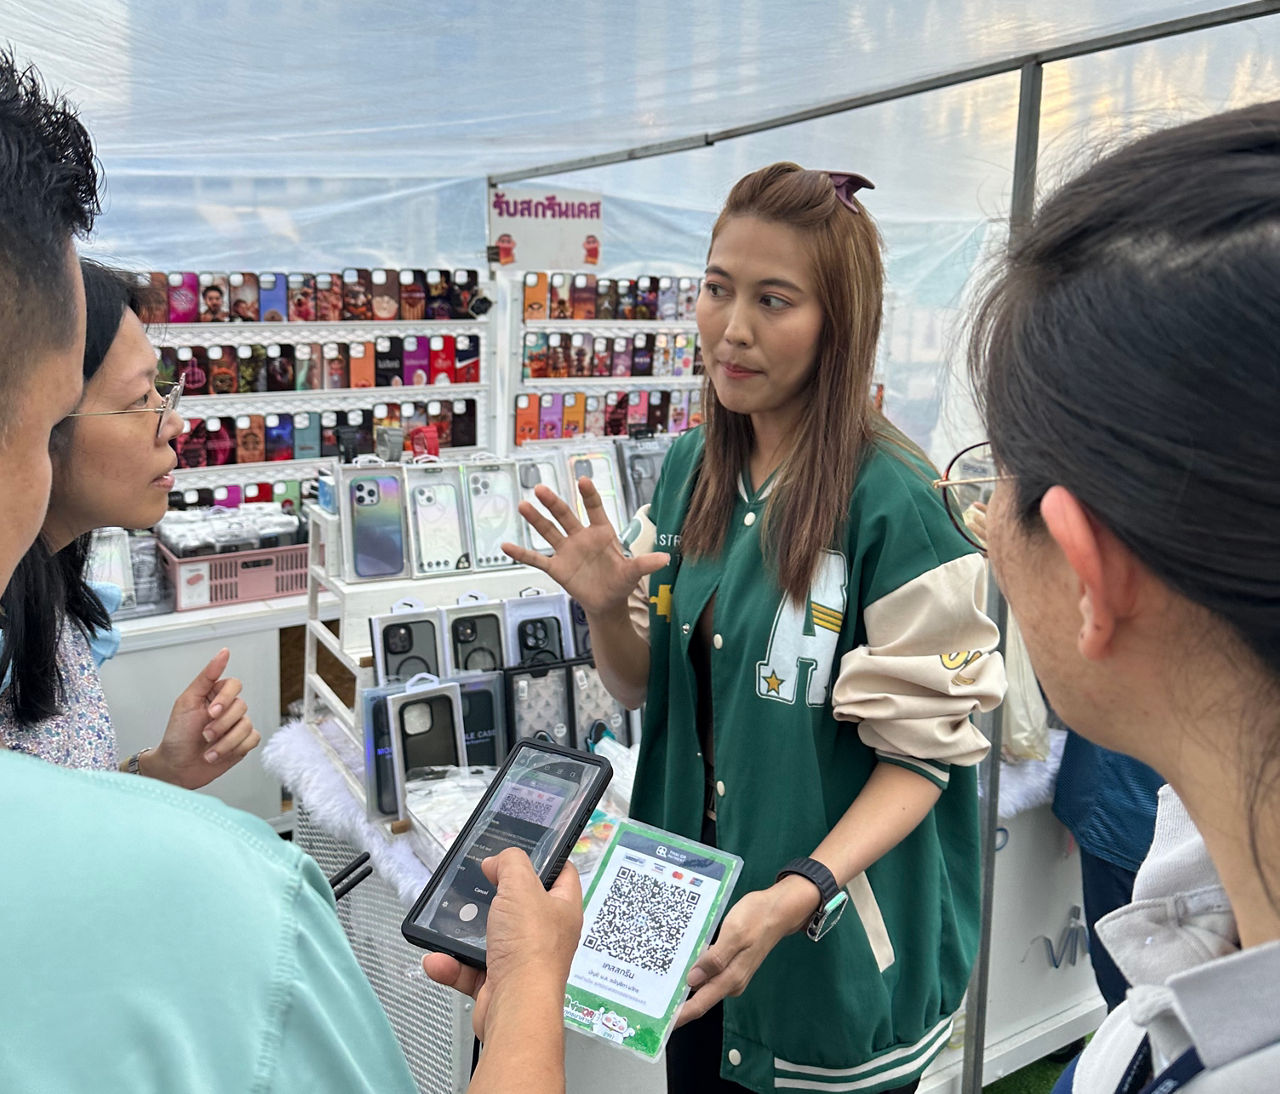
(833, 898)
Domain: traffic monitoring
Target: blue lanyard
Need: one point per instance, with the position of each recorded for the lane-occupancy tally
(1185, 1068)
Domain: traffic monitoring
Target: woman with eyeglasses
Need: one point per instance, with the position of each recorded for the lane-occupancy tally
(805, 627)
(112, 466)
(1126, 362)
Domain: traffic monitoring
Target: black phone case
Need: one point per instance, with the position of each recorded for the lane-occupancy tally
(483, 651)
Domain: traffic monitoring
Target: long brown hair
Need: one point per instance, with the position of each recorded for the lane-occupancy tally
(810, 498)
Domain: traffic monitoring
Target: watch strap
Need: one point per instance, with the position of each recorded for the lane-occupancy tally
(817, 873)
(131, 766)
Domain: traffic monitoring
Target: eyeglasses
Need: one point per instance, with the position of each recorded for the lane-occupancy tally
(846, 185)
(169, 406)
(966, 489)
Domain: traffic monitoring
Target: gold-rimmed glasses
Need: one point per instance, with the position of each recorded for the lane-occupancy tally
(966, 487)
(167, 407)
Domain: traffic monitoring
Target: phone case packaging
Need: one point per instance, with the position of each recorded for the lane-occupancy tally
(406, 642)
(473, 636)
(538, 628)
(484, 717)
(439, 536)
(426, 731)
(538, 703)
(595, 711)
(492, 496)
(371, 496)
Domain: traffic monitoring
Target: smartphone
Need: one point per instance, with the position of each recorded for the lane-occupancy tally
(328, 297)
(413, 294)
(538, 703)
(302, 297)
(526, 418)
(224, 373)
(464, 423)
(437, 525)
(251, 438)
(252, 362)
(336, 375)
(308, 366)
(551, 416)
(279, 436)
(466, 369)
(357, 295)
(213, 298)
(385, 288)
(642, 355)
(439, 291)
(626, 308)
(540, 801)
(306, 435)
(622, 356)
(273, 297)
(184, 298)
(193, 367)
(582, 297)
(441, 359)
(376, 537)
(492, 498)
(361, 364)
(668, 299)
(646, 298)
(416, 357)
(606, 298)
(280, 372)
(574, 414)
(535, 295)
(475, 642)
(388, 362)
(219, 442)
(559, 305)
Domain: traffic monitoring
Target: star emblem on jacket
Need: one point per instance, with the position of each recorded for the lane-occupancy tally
(773, 681)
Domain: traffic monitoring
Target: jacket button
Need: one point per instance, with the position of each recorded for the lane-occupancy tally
(720, 787)
(735, 1057)
(718, 642)
(749, 519)
(685, 629)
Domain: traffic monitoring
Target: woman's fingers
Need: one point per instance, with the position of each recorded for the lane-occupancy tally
(592, 502)
(558, 508)
(541, 523)
(526, 557)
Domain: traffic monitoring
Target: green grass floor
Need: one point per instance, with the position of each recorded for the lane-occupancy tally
(1037, 1078)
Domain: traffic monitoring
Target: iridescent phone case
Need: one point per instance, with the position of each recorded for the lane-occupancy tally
(377, 539)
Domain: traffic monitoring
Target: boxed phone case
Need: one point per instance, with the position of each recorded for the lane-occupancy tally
(406, 642)
(371, 497)
(473, 635)
(438, 513)
(537, 627)
(597, 462)
(492, 494)
(641, 465)
(538, 703)
(595, 711)
(484, 717)
(426, 731)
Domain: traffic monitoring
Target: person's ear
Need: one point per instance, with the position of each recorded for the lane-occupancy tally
(1106, 572)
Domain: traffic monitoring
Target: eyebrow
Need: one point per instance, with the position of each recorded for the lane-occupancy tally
(772, 282)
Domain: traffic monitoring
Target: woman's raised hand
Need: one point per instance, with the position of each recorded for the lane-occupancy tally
(588, 561)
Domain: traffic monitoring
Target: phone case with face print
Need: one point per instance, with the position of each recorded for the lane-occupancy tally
(193, 367)
(328, 297)
(224, 371)
(535, 355)
(466, 369)
(302, 297)
(535, 295)
(251, 438)
(279, 436)
(336, 376)
(385, 289)
(574, 420)
(273, 297)
(184, 297)
(214, 293)
(526, 418)
(219, 441)
(606, 298)
(357, 295)
(280, 373)
(550, 416)
(559, 305)
(388, 362)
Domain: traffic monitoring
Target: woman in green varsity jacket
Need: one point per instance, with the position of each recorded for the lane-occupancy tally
(805, 628)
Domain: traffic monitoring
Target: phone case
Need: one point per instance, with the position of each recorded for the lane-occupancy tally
(166, 365)
(593, 418)
(440, 415)
(697, 357)
(273, 297)
(557, 355)
(413, 294)
(601, 357)
(251, 438)
(377, 540)
(606, 298)
(541, 468)
(417, 360)
(526, 418)
(252, 361)
(677, 411)
(361, 364)
(599, 466)
(535, 295)
(336, 374)
(622, 356)
(437, 521)
(405, 644)
(656, 419)
(551, 416)
(668, 299)
(574, 410)
(380, 760)
(153, 295)
(581, 629)
(662, 354)
(695, 409)
(193, 367)
(385, 290)
(687, 299)
(484, 723)
(280, 373)
(439, 292)
(615, 414)
(441, 358)
(540, 800)
(646, 298)
(537, 628)
(466, 368)
(626, 308)
(491, 497)
(328, 433)
(357, 295)
(386, 415)
(559, 305)
(356, 433)
(219, 442)
(302, 297)
(535, 355)
(538, 703)
(306, 435)
(287, 495)
(258, 492)
(638, 410)
(328, 297)
(595, 711)
(641, 465)
(184, 298)
(224, 372)
(426, 726)
(388, 362)
(279, 436)
(214, 293)
(642, 355)
(473, 637)
(579, 354)
(229, 497)
(190, 444)
(582, 297)
(463, 291)
(682, 355)
(308, 366)
(464, 423)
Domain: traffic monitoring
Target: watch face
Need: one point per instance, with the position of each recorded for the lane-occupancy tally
(828, 916)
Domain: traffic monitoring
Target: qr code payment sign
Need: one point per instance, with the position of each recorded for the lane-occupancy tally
(642, 921)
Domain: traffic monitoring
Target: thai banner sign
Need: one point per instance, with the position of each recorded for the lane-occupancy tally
(534, 228)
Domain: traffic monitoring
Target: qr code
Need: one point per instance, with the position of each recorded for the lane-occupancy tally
(529, 805)
(642, 920)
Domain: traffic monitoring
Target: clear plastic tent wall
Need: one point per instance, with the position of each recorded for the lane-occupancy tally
(293, 135)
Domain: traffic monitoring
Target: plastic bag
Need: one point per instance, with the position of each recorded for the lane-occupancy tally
(1026, 718)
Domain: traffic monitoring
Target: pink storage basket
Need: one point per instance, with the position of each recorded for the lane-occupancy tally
(209, 580)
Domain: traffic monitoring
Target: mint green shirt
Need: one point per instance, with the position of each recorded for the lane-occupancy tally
(155, 940)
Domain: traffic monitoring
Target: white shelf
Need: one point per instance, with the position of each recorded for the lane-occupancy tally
(613, 326)
(221, 621)
(245, 334)
(611, 383)
(344, 398)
